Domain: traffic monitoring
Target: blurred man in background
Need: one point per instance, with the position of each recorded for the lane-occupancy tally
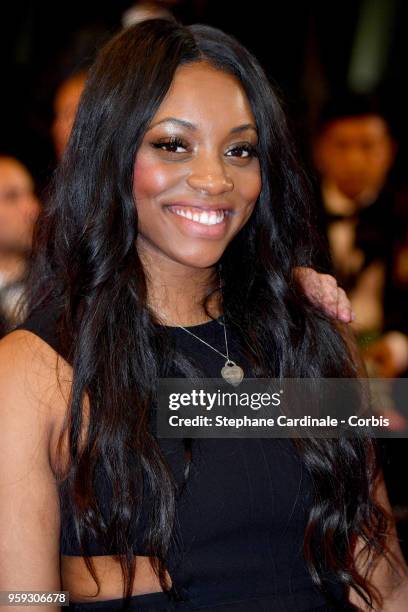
(354, 152)
(365, 220)
(19, 208)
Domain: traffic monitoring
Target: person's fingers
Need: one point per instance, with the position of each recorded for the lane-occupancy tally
(323, 291)
(329, 294)
(344, 309)
(310, 282)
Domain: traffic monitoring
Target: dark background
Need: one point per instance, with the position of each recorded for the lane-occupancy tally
(307, 48)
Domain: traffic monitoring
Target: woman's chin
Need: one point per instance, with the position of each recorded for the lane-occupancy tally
(200, 263)
(197, 256)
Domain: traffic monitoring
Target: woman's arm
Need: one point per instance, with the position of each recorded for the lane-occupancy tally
(29, 501)
(391, 582)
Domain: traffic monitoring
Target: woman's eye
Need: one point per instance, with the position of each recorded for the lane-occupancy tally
(244, 151)
(170, 145)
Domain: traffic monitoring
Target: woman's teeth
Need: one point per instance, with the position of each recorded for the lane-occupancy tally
(205, 217)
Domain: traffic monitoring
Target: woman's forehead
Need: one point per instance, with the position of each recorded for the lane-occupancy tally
(200, 93)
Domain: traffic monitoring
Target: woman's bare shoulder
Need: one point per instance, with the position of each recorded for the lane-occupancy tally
(35, 383)
(29, 364)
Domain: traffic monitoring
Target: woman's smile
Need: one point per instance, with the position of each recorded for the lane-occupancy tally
(202, 221)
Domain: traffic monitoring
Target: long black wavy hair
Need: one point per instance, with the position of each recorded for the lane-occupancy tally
(85, 260)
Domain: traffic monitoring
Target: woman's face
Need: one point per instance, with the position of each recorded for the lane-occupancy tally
(196, 177)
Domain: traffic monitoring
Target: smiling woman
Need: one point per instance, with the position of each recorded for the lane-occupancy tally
(179, 200)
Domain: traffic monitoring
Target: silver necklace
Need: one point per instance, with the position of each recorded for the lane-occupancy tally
(231, 372)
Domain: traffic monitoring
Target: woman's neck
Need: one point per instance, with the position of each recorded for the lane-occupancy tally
(175, 291)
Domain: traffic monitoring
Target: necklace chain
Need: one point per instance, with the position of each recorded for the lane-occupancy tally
(231, 372)
(204, 342)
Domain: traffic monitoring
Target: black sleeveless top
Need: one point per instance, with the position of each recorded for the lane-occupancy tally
(240, 518)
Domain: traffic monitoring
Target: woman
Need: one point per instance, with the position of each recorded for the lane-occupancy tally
(179, 173)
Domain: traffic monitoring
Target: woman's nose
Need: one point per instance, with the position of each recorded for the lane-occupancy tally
(211, 178)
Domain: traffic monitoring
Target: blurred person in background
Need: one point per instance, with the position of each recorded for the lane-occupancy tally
(364, 216)
(19, 208)
(66, 102)
(353, 153)
(389, 353)
(69, 91)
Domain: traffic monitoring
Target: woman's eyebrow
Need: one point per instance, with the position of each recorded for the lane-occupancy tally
(191, 126)
(242, 128)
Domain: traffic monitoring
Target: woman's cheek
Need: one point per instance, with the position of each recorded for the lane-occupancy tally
(151, 178)
(249, 186)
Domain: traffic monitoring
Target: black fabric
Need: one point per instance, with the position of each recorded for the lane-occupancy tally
(373, 235)
(159, 602)
(239, 521)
